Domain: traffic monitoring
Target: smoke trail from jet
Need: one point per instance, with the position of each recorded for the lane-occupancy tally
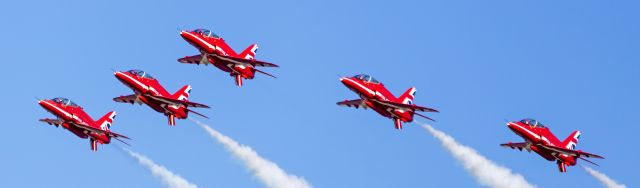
(485, 171)
(167, 177)
(266, 171)
(604, 179)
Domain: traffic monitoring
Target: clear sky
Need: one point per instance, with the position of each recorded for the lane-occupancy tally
(569, 64)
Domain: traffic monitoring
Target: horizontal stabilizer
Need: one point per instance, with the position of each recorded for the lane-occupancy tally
(171, 101)
(265, 73)
(565, 151)
(235, 60)
(197, 113)
(401, 106)
(425, 117)
(588, 161)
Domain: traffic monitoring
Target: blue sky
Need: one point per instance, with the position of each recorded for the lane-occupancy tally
(569, 64)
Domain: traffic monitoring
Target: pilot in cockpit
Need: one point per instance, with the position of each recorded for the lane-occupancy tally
(64, 101)
(366, 78)
(206, 32)
(532, 123)
(141, 73)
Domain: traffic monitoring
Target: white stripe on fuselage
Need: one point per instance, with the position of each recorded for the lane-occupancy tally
(150, 88)
(67, 114)
(374, 93)
(531, 133)
(140, 83)
(206, 43)
(361, 86)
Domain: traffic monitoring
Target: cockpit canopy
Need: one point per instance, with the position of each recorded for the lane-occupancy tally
(532, 122)
(64, 101)
(206, 32)
(366, 78)
(140, 73)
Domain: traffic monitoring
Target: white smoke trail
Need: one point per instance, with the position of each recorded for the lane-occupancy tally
(485, 171)
(604, 179)
(267, 172)
(168, 178)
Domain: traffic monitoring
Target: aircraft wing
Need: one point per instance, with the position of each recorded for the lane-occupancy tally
(99, 131)
(406, 106)
(56, 122)
(196, 59)
(171, 101)
(358, 103)
(565, 151)
(236, 60)
(519, 146)
(128, 99)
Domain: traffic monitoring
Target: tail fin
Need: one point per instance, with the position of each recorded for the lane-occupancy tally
(571, 141)
(250, 52)
(407, 96)
(106, 120)
(183, 93)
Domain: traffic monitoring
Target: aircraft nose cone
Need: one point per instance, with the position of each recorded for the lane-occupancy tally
(345, 81)
(44, 104)
(513, 126)
(185, 35)
(192, 39)
(119, 75)
(349, 83)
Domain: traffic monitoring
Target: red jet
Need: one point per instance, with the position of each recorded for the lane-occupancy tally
(149, 91)
(374, 95)
(213, 50)
(73, 118)
(539, 139)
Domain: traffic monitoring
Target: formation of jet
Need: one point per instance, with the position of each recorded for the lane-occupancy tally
(374, 95)
(148, 90)
(539, 139)
(73, 118)
(214, 50)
